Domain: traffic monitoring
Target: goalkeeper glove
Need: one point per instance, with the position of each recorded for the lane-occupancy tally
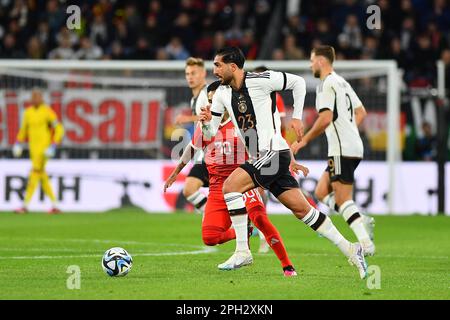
(50, 152)
(17, 150)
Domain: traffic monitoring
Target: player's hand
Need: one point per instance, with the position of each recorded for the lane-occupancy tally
(296, 146)
(205, 114)
(297, 125)
(295, 167)
(180, 119)
(51, 151)
(17, 150)
(170, 181)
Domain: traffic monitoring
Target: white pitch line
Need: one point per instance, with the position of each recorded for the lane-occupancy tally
(200, 249)
(203, 250)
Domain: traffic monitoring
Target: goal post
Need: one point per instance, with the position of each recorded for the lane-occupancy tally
(140, 91)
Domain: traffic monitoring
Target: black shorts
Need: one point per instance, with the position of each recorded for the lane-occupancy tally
(342, 169)
(200, 171)
(271, 171)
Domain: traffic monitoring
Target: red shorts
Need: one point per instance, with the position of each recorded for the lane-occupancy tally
(216, 212)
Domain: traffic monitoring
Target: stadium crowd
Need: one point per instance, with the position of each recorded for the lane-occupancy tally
(413, 32)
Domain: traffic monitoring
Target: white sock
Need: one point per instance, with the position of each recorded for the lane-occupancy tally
(351, 214)
(330, 201)
(239, 218)
(198, 200)
(323, 225)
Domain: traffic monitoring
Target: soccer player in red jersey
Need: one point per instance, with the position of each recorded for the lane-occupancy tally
(223, 154)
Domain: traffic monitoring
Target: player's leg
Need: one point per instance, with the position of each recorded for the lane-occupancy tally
(47, 188)
(258, 215)
(324, 192)
(342, 183)
(34, 177)
(264, 247)
(216, 222)
(351, 214)
(233, 188)
(319, 222)
(197, 178)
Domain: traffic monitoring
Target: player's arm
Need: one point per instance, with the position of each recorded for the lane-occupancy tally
(360, 114)
(211, 117)
(21, 136)
(325, 100)
(197, 143)
(188, 153)
(280, 81)
(57, 135)
(295, 167)
(182, 119)
(281, 111)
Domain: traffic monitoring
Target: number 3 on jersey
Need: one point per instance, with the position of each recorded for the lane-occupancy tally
(349, 106)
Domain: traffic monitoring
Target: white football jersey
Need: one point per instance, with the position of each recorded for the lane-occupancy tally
(198, 102)
(253, 109)
(337, 95)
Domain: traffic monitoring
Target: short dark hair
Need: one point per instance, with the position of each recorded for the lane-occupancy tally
(325, 51)
(261, 69)
(232, 55)
(213, 86)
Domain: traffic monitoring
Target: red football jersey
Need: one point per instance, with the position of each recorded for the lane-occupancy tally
(224, 153)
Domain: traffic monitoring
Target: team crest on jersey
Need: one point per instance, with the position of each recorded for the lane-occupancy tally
(242, 105)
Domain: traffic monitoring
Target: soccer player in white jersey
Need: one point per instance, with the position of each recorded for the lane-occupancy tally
(340, 113)
(195, 73)
(249, 100)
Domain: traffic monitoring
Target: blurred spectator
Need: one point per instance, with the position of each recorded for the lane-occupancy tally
(407, 33)
(63, 51)
(9, 49)
(54, 15)
(440, 14)
(35, 49)
(248, 45)
(291, 51)
(278, 54)
(413, 32)
(370, 48)
(142, 51)
(88, 50)
(323, 33)
(161, 54)
(115, 52)
(342, 11)
(182, 30)
(423, 64)
(395, 52)
(99, 31)
(351, 36)
(427, 144)
(176, 50)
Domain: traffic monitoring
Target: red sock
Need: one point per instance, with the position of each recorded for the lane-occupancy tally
(228, 235)
(213, 235)
(259, 217)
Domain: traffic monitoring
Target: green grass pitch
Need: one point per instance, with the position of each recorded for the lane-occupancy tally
(170, 261)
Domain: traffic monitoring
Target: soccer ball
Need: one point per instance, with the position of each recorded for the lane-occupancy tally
(116, 262)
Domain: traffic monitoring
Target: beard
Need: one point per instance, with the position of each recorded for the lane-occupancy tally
(226, 80)
(316, 74)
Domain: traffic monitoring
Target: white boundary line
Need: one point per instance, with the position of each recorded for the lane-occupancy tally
(200, 249)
